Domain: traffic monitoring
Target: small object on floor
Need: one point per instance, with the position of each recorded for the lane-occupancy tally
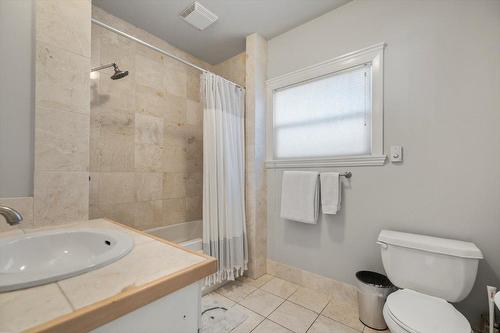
(218, 319)
(214, 308)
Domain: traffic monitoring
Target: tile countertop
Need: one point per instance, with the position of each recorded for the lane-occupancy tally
(153, 269)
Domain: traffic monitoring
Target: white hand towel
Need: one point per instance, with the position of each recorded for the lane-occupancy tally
(300, 196)
(330, 192)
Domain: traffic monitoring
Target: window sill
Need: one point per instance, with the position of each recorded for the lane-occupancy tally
(343, 161)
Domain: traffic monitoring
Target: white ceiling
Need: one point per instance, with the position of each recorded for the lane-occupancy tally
(226, 37)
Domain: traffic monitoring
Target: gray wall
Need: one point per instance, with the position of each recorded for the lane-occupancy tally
(442, 103)
(16, 98)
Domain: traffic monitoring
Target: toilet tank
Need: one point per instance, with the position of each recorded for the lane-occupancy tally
(439, 267)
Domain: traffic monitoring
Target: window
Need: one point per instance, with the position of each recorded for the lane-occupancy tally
(328, 114)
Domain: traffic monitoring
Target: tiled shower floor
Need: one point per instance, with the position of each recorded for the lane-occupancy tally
(274, 305)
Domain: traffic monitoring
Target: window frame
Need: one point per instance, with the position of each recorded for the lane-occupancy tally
(371, 55)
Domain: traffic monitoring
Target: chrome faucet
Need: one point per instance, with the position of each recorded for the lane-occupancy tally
(11, 215)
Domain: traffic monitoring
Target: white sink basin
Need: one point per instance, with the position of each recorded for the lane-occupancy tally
(32, 259)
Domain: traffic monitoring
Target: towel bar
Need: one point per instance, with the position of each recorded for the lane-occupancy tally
(347, 174)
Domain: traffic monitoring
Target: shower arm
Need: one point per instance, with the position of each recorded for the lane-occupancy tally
(168, 54)
(95, 69)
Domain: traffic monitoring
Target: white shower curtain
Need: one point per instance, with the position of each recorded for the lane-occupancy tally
(224, 229)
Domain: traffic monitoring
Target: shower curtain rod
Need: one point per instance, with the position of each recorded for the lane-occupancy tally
(119, 32)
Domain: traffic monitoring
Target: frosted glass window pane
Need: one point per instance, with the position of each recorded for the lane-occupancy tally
(330, 116)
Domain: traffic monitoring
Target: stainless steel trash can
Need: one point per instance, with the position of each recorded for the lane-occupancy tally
(373, 289)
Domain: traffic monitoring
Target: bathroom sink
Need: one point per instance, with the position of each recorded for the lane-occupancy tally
(33, 259)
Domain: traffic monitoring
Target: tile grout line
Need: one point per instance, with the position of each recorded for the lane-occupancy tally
(335, 320)
(264, 317)
(63, 48)
(343, 324)
(260, 322)
(283, 301)
(66, 297)
(280, 325)
(318, 314)
(315, 319)
(288, 300)
(253, 329)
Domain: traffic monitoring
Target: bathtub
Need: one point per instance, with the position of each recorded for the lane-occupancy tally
(188, 234)
(193, 244)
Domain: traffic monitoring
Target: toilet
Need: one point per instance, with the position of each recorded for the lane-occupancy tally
(431, 272)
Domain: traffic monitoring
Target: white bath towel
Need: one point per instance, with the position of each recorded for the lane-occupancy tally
(330, 192)
(300, 196)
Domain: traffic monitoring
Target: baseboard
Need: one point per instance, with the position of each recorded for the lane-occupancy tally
(313, 281)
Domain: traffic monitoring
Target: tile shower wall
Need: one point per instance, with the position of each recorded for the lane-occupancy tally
(255, 128)
(61, 111)
(61, 149)
(145, 132)
(233, 68)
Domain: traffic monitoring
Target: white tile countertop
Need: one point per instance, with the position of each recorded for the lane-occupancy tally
(153, 269)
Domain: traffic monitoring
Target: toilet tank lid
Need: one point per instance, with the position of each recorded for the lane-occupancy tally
(446, 246)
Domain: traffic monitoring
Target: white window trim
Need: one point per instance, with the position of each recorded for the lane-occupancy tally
(373, 55)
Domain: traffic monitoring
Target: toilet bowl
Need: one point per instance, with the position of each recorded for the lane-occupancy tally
(408, 311)
(432, 272)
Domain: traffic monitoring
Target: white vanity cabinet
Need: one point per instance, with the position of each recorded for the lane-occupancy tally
(178, 312)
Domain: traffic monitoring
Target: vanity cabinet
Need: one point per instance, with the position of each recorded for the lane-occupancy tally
(179, 312)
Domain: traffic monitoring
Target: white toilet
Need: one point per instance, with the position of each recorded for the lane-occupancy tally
(432, 272)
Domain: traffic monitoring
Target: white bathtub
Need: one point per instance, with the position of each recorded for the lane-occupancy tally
(188, 234)
(193, 244)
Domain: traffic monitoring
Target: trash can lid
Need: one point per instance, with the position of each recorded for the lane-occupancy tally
(374, 279)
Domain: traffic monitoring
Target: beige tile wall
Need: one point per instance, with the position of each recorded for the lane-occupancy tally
(233, 69)
(328, 286)
(23, 205)
(140, 137)
(255, 136)
(62, 63)
(62, 111)
(146, 131)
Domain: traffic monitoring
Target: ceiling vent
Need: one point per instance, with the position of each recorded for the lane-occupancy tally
(198, 16)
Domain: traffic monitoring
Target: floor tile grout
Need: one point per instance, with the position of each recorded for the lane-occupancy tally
(265, 318)
(318, 314)
(284, 300)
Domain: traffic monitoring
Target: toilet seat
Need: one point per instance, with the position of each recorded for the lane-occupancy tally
(413, 312)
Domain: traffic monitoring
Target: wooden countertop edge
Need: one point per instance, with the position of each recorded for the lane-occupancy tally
(130, 299)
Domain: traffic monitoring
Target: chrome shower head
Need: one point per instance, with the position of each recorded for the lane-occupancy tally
(118, 73)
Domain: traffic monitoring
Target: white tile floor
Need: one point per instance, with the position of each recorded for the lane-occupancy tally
(274, 305)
